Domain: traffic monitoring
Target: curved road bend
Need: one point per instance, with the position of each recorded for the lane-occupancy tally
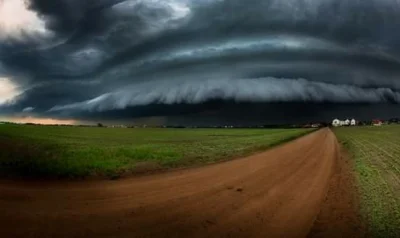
(277, 193)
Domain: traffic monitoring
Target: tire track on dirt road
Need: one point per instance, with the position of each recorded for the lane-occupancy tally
(277, 193)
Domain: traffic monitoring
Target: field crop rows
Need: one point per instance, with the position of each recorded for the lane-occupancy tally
(376, 151)
(81, 151)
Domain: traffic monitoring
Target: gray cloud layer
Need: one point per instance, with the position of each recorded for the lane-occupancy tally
(247, 90)
(109, 55)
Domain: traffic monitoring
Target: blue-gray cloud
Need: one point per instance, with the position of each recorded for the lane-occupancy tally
(246, 90)
(109, 55)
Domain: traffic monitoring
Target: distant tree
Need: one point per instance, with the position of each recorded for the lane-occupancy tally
(100, 125)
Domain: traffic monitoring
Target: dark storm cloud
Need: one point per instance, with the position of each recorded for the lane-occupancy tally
(108, 57)
(251, 90)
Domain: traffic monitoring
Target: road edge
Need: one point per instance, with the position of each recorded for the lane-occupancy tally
(340, 212)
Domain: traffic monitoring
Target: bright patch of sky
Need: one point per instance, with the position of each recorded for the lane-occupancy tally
(8, 90)
(16, 20)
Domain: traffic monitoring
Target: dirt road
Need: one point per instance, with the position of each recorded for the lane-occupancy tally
(277, 193)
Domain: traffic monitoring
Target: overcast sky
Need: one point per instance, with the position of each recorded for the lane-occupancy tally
(200, 61)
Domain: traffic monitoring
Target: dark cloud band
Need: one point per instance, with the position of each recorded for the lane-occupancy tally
(113, 55)
(250, 90)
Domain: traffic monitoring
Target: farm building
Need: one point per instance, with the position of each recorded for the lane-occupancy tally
(346, 122)
(377, 122)
(336, 123)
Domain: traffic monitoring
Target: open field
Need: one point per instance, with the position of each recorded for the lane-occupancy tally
(307, 187)
(277, 193)
(376, 154)
(81, 151)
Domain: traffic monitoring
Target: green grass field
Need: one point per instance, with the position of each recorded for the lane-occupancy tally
(376, 152)
(81, 151)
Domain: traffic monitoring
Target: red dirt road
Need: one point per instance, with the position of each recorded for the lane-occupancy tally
(277, 193)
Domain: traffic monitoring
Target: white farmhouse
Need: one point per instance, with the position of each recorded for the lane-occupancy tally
(347, 122)
(336, 123)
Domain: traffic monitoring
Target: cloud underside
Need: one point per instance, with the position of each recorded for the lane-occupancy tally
(240, 90)
(82, 58)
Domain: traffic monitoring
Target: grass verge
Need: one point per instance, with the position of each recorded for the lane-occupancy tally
(376, 153)
(76, 152)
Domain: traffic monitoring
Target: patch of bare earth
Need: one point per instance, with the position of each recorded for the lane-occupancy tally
(339, 215)
(277, 193)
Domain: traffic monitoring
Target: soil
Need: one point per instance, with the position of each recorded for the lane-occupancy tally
(339, 216)
(277, 193)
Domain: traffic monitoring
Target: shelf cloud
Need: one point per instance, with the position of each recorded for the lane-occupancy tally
(117, 58)
(247, 90)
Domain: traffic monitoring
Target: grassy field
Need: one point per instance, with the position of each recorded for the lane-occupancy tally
(81, 151)
(376, 151)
